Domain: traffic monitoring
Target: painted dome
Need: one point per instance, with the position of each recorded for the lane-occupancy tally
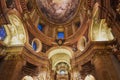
(58, 11)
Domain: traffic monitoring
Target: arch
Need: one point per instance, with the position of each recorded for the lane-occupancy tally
(89, 77)
(59, 58)
(60, 54)
(38, 44)
(81, 43)
(58, 50)
(27, 78)
(59, 61)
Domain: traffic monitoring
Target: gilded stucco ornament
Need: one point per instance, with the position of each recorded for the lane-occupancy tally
(15, 31)
(100, 31)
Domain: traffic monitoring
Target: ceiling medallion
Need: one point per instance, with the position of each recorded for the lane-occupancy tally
(57, 11)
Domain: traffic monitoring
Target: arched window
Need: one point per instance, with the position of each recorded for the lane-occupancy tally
(34, 45)
(40, 27)
(2, 33)
(60, 35)
(9, 3)
(77, 24)
(29, 6)
(81, 43)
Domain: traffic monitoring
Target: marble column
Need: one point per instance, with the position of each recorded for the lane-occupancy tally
(11, 67)
(106, 67)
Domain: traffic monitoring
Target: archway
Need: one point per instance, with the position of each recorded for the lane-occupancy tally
(90, 77)
(27, 78)
(60, 58)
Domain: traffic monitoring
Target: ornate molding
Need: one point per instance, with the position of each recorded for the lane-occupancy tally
(37, 59)
(23, 6)
(89, 52)
(3, 13)
(13, 56)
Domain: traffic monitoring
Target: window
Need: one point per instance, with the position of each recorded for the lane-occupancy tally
(34, 45)
(62, 72)
(27, 78)
(9, 3)
(2, 33)
(78, 24)
(60, 35)
(40, 27)
(29, 6)
(89, 77)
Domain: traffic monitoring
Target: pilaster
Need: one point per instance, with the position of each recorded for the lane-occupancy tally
(104, 63)
(11, 65)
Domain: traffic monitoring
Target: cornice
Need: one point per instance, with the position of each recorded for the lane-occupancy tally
(27, 54)
(3, 13)
(31, 27)
(79, 33)
(51, 41)
(90, 50)
(33, 57)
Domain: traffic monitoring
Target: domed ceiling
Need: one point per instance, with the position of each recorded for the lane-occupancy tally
(58, 20)
(58, 11)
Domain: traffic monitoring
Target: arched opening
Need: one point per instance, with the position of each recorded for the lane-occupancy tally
(60, 59)
(58, 50)
(27, 78)
(9, 3)
(40, 27)
(81, 43)
(29, 5)
(90, 77)
(2, 33)
(36, 45)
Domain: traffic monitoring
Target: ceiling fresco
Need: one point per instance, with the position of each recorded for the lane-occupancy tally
(58, 11)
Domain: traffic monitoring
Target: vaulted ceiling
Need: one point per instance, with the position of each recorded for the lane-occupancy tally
(58, 32)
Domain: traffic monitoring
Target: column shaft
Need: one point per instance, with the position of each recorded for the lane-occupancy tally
(105, 66)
